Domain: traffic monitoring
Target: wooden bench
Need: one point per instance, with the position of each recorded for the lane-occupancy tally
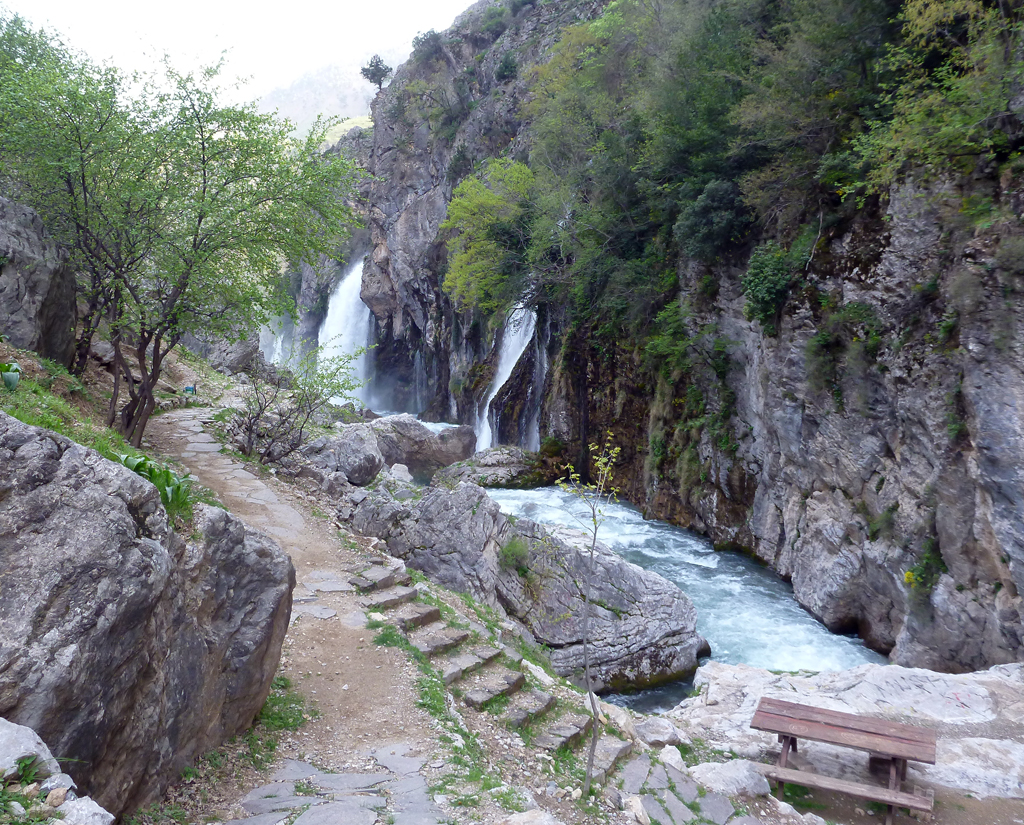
(893, 741)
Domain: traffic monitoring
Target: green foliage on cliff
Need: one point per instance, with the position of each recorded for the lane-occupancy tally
(704, 131)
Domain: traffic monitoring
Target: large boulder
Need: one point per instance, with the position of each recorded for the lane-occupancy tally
(500, 467)
(642, 627)
(37, 286)
(230, 356)
(353, 451)
(405, 440)
(129, 650)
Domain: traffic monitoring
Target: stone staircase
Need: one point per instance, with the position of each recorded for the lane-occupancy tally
(486, 676)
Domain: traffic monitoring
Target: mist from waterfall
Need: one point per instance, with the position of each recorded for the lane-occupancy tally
(346, 327)
(519, 326)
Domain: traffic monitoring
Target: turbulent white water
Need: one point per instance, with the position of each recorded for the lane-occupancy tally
(346, 327)
(518, 334)
(746, 612)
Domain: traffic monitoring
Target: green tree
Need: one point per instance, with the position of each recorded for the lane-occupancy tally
(489, 218)
(376, 71)
(78, 149)
(594, 495)
(242, 197)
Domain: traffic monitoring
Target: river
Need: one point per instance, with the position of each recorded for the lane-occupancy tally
(744, 610)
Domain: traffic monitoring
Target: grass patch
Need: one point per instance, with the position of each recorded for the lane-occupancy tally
(285, 709)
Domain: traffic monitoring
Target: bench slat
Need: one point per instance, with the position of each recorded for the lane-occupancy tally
(883, 727)
(874, 735)
(829, 783)
(871, 742)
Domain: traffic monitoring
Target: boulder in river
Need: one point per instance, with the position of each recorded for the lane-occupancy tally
(405, 440)
(500, 467)
(130, 650)
(642, 627)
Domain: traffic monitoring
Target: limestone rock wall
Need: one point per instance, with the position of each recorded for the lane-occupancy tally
(886, 484)
(129, 649)
(37, 286)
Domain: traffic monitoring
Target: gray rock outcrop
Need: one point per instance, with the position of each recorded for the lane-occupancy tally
(978, 717)
(642, 627)
(18, 743)
(37, 286)
(128, 649)
(354, 451)
(499, 467)
(404, 440)
(228, 356)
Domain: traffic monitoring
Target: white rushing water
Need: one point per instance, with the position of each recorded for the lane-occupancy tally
(745, 611)
(518, 334)
(346, 327)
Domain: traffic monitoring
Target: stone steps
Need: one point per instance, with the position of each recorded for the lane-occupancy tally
(377, 577)
(564, 733)
(455, 668)
(483, 688)
(391, 597)
(414, 614)
(434, 640)
(527, 707)
(610, 751)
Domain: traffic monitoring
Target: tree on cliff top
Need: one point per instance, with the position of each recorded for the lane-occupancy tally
(376, 71)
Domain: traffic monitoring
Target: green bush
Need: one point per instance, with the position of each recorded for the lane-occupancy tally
(494, 22)
(427, 46)
(767, 283)
(925, 574)
(514, 554)
(713, 221)
(175, 492)
(517, 6)
(507, 68)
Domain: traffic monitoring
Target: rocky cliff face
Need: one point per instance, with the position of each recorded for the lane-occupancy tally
(37, 286)
(449, 107)
(128, 649)
(873, 447)
(869, 449)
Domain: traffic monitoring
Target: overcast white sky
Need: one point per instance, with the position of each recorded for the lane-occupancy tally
(272, 45)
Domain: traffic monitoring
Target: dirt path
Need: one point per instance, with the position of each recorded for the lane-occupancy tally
(365, 694)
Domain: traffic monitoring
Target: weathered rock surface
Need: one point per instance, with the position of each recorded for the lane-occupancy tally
(736, 778)
(979, 718)
(404, 440)
(37, 286)
(354, 451)
(229, 356)
(129, 650)
(499, 467)
(18, 742)
(642, 626)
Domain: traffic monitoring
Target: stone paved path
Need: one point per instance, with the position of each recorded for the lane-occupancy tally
(365, 720)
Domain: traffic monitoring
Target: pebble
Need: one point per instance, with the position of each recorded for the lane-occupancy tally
(56, 797)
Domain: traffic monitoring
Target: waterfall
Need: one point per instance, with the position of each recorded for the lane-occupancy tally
(419, 378)
(540, 375)
(277, 341)
(346, 327)
(517, 336)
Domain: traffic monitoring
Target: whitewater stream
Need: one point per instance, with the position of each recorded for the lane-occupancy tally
(745, 611)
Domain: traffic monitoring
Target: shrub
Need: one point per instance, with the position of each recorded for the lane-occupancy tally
(1010, 255)
(494, 22)
(507, 68)
(717, 218)
(517, 6)
(766, 284)
(427, 46)
(925, 574)
(514, 554)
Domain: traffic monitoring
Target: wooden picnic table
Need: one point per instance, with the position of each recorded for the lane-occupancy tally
(894, 741)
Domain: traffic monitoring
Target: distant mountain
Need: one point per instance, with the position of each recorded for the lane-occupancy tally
(337, 90)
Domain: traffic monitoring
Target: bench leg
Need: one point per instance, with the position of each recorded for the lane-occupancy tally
(897, 767)
(788, 742)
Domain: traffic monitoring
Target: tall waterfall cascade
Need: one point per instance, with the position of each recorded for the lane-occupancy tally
(346, 327)
(518, 334)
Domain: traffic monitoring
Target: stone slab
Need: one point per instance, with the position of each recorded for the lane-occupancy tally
(676, 809)
(346, 812)
(316, 611)
(658, 779)
(654, 808)
(686, 789)
(341, 782)
(716, 807)
(635, 774)
(293, 769)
